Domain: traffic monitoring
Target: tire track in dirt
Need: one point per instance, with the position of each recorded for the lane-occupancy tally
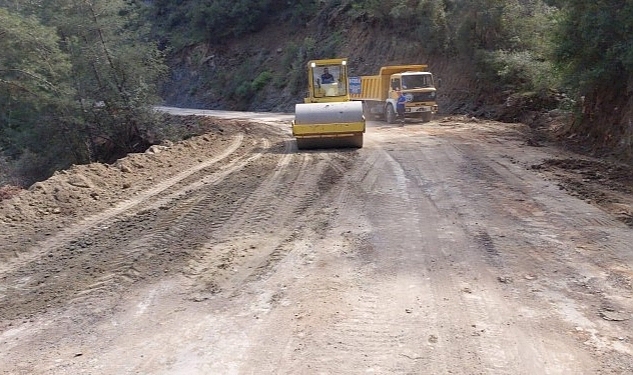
(172, 235)
(359, 335)
(415, 254)
(244, 270)
(525, 222)
(97, 266)
(403, 252)
(41, 248)
(349, 341)
(412, 254)
(273, 217)
(480, 280)
(274, 283)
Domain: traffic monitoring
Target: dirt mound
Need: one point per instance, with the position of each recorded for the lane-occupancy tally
(606, 184)
(81, 190)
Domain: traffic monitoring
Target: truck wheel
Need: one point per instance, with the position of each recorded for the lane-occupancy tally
(427, 116)
(391, 114)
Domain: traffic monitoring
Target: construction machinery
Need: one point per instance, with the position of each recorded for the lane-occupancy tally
(379, 93)
(328, 118)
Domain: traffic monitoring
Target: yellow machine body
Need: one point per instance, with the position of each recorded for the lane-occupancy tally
(379, 93)
(328, 118)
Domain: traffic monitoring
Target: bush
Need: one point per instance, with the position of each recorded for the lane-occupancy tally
(516, 71)
(261, 80)
(244, 91)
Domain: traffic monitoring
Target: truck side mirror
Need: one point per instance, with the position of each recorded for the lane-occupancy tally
(439, 83)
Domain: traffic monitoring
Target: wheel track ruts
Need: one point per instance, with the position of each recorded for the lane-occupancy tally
(565, 222)
(123, 267)
(329, 165)
(373, 335)
(355, 177)
(287, 201)
(257, 210)
(169, 238)
(41, 248)
(399, 242)
(231, 223)
(249, 227)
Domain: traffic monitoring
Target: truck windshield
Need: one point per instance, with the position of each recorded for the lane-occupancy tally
(417, 81)
(330, 80)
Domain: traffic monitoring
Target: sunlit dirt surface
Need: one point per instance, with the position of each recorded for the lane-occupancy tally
(455, 246)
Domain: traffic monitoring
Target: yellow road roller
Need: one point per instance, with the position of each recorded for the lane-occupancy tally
(327, 118)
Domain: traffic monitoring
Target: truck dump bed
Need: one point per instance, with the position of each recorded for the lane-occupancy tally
(377, 87)
(372, 88)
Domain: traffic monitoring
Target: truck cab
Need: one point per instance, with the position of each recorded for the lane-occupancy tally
(419, 90)
(379, 93)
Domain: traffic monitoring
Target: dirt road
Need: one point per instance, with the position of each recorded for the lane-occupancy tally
(451, 247)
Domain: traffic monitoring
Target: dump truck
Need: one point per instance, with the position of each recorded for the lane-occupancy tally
(328, 118)
(379, 93)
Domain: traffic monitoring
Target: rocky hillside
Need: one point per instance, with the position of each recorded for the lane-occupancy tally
(199, 71)
(214, 76)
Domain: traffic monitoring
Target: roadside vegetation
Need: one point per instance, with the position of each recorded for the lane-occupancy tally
(78, 79)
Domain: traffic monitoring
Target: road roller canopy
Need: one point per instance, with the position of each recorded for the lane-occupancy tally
(327, 80)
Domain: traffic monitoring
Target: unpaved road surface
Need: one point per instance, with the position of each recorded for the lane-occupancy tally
(451, 247)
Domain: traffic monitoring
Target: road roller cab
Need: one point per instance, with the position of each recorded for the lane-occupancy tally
(328, 118)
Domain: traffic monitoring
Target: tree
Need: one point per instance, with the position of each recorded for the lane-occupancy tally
(595, 44)
(116, 69)
(36, 108)
(595, 53)
(213, 21)
(77, 82)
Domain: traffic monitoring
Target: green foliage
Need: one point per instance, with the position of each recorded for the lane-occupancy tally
(373, 10)
(483, 26)
(214, 21)
(509, 43)
(300, 12)
(92, 77)
(114, 66)
(261, 81)
(520, 71)
(594, 50)
(36, 106)
(32, 67)
(594, 44)
(432, 26)
(76, 83)
(292, 70)
(327, 48)
(506, 39)
(244, 91)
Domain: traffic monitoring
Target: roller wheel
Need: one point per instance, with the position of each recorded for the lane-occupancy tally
(356, 141)
(313, 143)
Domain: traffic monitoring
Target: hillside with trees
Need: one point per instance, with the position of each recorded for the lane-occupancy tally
(78, 79)
(77, 82)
